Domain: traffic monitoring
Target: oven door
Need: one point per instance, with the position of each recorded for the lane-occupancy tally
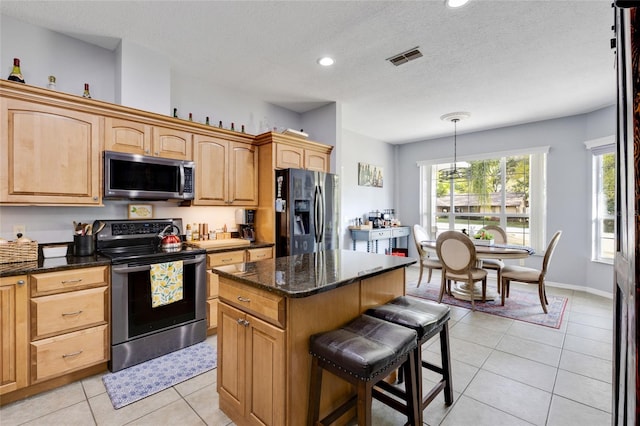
(132, 315)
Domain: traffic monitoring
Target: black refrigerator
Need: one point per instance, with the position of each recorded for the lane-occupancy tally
(307, 211)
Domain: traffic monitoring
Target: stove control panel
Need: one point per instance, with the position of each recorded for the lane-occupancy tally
(138, 228)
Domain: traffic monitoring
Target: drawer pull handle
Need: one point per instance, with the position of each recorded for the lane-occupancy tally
(20, 282)
(77, 280)
(71, 313)
(72, 354)
(243, 322)
(260, 255)
(227, 260)
(244, 299)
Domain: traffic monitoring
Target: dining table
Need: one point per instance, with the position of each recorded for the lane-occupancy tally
(466, 291)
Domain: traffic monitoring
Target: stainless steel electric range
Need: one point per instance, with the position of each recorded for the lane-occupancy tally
(139, 331)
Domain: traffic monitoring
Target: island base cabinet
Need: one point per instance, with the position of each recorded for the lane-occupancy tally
(251, 370)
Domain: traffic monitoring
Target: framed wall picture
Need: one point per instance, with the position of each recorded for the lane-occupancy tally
(140, 211)
(370, 175)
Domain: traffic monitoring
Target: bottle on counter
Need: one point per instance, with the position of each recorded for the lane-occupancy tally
(16, 74)
(189, 235)
(86, 93)
(52, 82)
(195, 234)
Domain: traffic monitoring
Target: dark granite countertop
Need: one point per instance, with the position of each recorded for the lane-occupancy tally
(51, 265)
(308, 274)
(253, 245)
(73, 262)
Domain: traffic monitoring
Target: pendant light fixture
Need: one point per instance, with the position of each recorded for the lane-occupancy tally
(454, 172)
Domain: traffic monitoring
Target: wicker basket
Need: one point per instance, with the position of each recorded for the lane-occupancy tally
(18, 252)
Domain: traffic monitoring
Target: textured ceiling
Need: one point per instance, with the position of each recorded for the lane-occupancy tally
(506, 62)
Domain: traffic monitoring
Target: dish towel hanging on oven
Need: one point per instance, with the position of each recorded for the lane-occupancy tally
(166, 283)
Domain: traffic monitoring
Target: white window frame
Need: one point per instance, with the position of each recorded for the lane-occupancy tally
(598, 147)
(537, 182)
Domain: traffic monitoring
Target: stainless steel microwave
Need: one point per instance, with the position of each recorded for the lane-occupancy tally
(134, 176)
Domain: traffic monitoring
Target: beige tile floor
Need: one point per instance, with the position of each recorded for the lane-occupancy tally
(505, 372)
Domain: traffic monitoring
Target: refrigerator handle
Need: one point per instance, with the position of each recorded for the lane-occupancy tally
(319, 219)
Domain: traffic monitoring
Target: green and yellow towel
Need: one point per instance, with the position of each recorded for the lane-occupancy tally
(166, 283)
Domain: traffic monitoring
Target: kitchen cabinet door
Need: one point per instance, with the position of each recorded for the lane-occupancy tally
(243, 174)
(171, 143)
(127, 136)
(14, 333)
(226, 172)
(50, 155)
(252, 382)
(317, 161)
(136, 137)
(211, 171)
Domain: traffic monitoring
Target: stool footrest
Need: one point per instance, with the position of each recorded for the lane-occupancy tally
(338, 412)
(431, 395)
(389, 401)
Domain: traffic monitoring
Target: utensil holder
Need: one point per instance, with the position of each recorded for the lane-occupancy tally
(83, 245)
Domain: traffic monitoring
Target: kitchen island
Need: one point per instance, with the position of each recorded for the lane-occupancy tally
(267, 312)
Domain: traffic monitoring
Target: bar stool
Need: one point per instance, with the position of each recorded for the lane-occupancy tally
(363, 353)
(427, 319)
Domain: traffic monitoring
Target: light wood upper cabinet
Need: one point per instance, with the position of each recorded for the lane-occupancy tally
(50, 154)
(226, 172)
(14, 333)
(136, 137)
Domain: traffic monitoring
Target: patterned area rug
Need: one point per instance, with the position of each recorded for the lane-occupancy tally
(521, 305)
(142, 380)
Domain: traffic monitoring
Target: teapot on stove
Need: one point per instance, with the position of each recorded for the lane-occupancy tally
(169, 241)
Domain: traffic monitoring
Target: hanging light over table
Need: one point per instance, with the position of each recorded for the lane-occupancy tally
(454, 173)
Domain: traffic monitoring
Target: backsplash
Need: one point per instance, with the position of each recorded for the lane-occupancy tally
(55, 224)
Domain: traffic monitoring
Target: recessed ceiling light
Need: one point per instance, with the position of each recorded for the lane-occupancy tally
(326, 61)
(456, 3)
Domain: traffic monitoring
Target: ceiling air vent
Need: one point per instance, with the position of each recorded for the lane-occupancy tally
(405, 57)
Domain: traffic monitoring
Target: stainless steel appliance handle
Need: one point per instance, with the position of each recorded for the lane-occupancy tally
(125, 269)
(181, 190)
(317, 213)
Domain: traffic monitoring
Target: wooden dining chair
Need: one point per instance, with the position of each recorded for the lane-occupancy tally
(500, 237)
(426, 261)
(458, 256)
(530, 275)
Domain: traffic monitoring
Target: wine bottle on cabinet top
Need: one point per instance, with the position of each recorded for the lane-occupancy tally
(190, 117)
(206, 121)
(86, 93)
(175, 112)
(16, 74)
(52, 82)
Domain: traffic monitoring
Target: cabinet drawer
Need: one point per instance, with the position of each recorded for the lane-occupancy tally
(69, 352)
(382, 234)
(212, 285)
(225, 258)
(260, 303)
(68, 311)
(259, 254)
(399, 232)
(212, 313)
(74, 279)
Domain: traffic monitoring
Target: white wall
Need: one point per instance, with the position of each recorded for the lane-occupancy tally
(359, 200)
(143, 79)
(568, 189)
(43, 53)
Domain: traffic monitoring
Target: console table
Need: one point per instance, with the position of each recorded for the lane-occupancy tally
(372, 236)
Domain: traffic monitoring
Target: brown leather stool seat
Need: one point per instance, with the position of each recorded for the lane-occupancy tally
(428, 319)
(363, 352)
